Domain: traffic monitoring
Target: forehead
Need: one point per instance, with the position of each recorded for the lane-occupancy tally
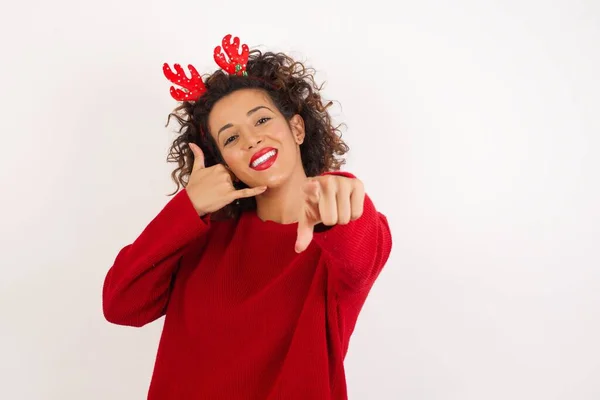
(235, 105)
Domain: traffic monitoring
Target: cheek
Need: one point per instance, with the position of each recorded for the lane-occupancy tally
(235, 161)
(284, 134)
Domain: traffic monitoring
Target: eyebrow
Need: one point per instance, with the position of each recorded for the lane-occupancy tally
(249, 113)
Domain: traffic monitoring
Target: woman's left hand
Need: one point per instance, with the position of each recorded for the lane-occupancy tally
(330, 200)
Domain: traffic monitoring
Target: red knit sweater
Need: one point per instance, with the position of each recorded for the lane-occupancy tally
(246, 317)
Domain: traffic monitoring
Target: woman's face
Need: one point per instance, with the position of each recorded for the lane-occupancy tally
(256, 142)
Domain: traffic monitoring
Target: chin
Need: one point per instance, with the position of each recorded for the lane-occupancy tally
(272, 181)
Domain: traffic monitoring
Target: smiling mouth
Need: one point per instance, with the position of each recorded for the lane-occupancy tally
(264, 160)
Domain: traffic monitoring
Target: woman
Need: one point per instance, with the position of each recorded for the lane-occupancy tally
(263, 261)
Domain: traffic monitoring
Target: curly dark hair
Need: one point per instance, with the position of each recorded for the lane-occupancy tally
(292, 88)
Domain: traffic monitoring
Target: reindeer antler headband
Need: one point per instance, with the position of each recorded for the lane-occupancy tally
(193, 88)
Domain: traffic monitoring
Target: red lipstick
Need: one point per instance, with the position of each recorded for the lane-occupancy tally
(263, 159)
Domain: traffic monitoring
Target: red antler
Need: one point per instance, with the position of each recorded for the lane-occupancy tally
(194, 86)
(237, 61)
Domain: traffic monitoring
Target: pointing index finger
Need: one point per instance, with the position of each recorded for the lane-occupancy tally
(305, 233)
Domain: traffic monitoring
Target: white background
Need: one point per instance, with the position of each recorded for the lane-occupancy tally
(474, 125)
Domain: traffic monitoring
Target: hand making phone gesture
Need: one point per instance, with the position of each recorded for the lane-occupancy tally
(211, 189)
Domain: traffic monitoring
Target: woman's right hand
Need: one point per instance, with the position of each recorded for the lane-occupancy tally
(211, 189)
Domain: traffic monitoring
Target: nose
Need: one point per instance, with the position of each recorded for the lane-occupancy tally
(253, 141)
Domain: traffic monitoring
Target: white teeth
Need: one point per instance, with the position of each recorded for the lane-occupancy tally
(263, 158)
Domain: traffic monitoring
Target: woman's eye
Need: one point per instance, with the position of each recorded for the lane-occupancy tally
(262, 120)
(229, 140)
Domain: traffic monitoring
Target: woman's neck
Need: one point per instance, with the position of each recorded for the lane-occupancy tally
(282, 204)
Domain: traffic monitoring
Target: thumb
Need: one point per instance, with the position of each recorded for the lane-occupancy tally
(305, 233)
(198, 156)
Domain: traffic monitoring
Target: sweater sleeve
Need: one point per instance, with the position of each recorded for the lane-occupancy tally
(137, 286)
(358, 250)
